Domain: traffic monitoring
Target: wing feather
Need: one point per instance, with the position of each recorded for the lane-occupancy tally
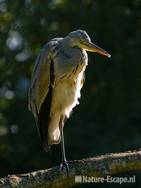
(40, 92)
(40, 81)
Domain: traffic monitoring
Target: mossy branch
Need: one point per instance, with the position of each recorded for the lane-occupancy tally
(100, 166)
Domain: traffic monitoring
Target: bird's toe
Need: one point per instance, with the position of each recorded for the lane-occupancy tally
(64, 166)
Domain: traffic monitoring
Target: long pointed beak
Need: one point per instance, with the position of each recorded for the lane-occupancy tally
(94, 48)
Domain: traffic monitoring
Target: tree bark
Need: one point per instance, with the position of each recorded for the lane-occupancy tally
(100, 166)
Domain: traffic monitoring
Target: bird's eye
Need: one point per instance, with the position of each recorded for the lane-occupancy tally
(81, 34)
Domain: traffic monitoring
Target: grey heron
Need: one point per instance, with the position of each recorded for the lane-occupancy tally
(56, 82)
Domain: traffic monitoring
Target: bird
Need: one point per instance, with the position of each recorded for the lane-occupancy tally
(56, 82)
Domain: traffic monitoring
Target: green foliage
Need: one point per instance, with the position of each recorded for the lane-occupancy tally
(108, 117)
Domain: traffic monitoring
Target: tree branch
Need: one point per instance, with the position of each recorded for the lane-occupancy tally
(108, 164)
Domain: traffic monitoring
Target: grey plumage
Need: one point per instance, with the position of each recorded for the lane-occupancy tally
(57, 79)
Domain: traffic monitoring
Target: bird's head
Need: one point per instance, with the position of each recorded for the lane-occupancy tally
(81, 39)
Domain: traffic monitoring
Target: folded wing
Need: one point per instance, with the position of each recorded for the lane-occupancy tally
(40, 92)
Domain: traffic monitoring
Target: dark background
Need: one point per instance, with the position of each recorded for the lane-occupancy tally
(108, 118)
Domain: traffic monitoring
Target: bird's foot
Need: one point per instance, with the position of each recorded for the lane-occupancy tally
(64, 166)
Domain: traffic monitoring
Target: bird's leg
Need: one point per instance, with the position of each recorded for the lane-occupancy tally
(64, 163)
